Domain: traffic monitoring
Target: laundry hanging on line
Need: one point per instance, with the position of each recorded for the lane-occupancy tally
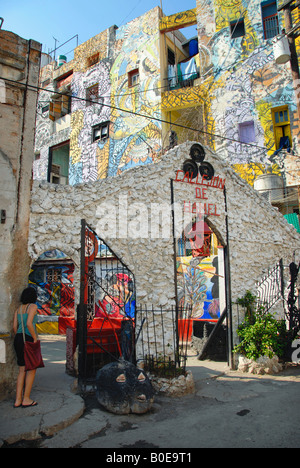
(181, 72)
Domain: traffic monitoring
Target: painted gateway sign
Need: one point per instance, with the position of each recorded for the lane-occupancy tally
(202, 184)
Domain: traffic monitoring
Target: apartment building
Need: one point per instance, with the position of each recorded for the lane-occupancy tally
(132, 92)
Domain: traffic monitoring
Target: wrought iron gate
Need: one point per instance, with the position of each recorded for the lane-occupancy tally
(105, 315)
(293, 312)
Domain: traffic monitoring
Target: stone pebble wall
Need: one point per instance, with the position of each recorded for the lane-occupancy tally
(258, 235)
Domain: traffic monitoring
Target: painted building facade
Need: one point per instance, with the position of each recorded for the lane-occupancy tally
(107, 110)
(113, 77)
(116, 103)
(251, 102)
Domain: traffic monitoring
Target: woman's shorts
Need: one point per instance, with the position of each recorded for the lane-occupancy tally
(19, 347)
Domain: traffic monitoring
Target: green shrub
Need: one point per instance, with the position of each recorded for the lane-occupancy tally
(260, 334)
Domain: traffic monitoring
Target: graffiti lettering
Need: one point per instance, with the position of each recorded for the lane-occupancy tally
(207, 209)
(215, 182)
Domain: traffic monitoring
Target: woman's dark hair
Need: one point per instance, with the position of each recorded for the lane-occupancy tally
(29, 296)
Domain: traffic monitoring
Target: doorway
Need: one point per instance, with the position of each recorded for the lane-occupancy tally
(200, 277)
(52, 275)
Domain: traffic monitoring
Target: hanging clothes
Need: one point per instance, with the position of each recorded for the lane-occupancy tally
(172, 76)
(284, 143)
(179, 73)
(188, 70)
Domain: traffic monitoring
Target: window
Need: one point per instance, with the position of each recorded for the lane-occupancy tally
(45, 109)
(58, 167)
(246, 132)
(101, 132)
(282, 127)
(54, 275)
(270, 19)
(92, 94)
(133, 78)
(59, 106)
(237, 28)
(171, 57)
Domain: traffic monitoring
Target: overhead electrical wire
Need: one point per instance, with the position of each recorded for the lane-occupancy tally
(137, 114)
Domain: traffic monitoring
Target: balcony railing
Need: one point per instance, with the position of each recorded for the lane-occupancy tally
(177, 82)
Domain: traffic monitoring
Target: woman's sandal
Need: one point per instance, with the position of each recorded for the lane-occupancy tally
(34, 403)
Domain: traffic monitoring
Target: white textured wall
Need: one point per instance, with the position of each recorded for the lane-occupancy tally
(123, 211)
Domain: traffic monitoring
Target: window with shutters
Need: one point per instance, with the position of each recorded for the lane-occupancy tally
(59, 106)
(282, 127)
(247, 132)
(58, 166)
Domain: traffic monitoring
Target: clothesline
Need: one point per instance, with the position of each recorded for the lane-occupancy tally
(182, 71)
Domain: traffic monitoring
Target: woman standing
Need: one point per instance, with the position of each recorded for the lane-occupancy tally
(28, 313)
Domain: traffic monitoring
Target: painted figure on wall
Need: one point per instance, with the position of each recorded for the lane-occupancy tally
(197, 272)
(118, 300)
(52, 276)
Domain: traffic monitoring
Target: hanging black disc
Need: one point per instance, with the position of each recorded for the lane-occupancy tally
(191, 167)
(207, 170)
(197, 153)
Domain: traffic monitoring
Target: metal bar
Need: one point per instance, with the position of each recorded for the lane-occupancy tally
(175, 261)
(213, 333)
(228, 286)
(82, 314)
(102, 347)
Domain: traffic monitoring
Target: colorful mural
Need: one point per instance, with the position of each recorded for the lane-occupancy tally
(136, 140)
(117, 299)
(197, 274)
(178, 20)
(239, 83)
(85, 159)
(246, 85)
(105, 61)
(52, 276)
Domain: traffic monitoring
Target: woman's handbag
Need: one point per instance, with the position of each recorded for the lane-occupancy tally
(32, 353)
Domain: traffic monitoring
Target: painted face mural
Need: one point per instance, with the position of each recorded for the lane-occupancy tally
(117, 298)
(122, 388)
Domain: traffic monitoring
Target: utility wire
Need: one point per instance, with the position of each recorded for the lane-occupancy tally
(137, 114)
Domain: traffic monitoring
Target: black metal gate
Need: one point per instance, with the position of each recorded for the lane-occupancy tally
(293, 312)
(106, 312)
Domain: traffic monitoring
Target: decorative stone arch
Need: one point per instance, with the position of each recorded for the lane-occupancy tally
(39, 249)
